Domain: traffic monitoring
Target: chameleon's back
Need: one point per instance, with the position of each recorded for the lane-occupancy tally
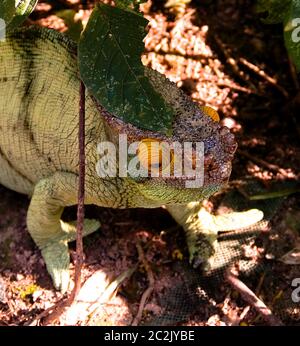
(39, 97)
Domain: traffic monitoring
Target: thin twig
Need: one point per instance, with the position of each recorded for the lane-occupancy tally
(150, 288)
(56, 309)
(237, 87)
(234, 65)
(172, 53)
(264, 75)
(244, 313)
(253, 300)
(80, 208)
(269, 166)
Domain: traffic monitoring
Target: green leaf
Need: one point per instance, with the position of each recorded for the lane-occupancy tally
(277, 10)
(74, 27)
(275, 190)
(110, 65)
(292, 33)
(288, 13)
(23, 10)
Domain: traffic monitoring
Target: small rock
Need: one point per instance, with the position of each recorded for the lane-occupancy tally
(270, 256)
(19, 277)
(36, 295)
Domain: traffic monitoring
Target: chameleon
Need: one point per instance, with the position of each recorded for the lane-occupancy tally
(39, 154)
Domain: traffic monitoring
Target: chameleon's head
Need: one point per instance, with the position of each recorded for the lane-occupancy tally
(174, 181)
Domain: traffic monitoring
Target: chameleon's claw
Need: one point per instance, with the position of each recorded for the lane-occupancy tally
(61, 280)
(237, 220)
(197, 261)
(204, 263)
(70, 228)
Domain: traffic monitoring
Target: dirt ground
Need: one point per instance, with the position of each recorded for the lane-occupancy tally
(222, 55)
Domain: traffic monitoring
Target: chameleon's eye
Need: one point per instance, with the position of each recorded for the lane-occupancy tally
(212, 113)
(155, 155)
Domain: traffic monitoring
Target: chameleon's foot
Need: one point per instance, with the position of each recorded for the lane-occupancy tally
(56, 254)
(202, 233)
(44, 223)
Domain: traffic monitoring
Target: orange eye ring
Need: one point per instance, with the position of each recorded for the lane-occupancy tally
(212, 113)
(151, 153)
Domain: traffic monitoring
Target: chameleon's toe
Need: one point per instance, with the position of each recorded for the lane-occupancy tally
(57, 259)
(70, 228)
(61, 279)
(236, 220)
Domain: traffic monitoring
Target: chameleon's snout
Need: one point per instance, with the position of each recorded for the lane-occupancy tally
(219, 152)
(230, 144)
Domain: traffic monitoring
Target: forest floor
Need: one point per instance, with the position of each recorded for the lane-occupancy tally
(222, 55)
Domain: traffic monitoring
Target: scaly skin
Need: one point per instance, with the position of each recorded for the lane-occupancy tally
(39, 97)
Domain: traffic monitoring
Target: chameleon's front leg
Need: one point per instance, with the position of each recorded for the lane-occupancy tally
(44, 223)
(202, 228)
